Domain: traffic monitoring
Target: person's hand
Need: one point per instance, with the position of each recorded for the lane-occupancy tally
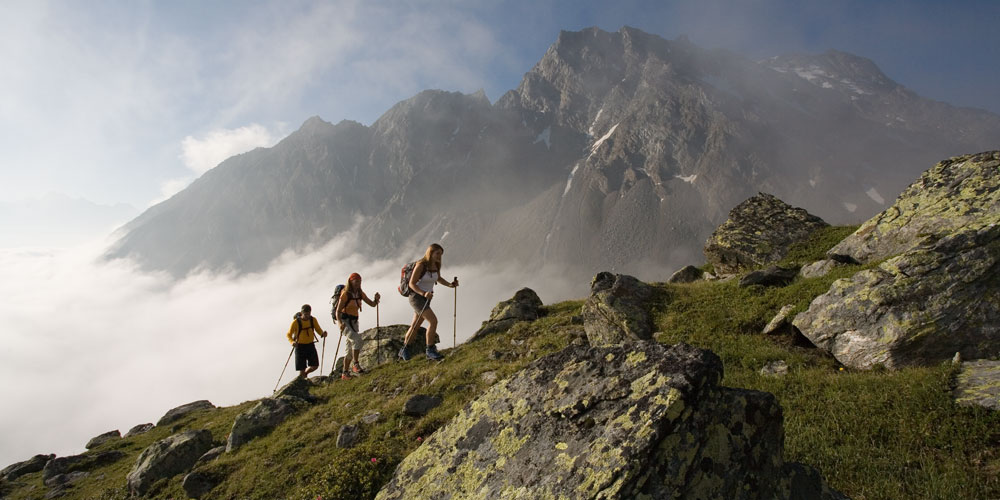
(454, 283)
(377, 297)
(323, 335)
(429, 295)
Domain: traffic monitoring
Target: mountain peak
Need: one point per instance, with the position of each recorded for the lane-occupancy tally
(835, 69)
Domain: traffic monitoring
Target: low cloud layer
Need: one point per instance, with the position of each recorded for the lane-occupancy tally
(92, 347)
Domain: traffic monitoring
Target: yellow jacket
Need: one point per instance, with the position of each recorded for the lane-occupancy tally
(309, 328)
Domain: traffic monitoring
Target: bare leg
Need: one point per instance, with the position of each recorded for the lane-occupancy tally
(414, 327)
(432, 321)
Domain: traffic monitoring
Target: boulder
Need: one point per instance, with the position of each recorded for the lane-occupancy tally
(772, 276)
(85, 462)
(775, 369)
(523, 306)
(958, 194)
(139, 429)
(420, 405)
(636, 421)
(780, 322)
(103, 438)
(371, 418)
(348, 436)
(33, 464)
(212, 454)
(915, 309)
(261, 419)
(380, 346)
(61, 480)
(978, 384)
(183, 410)
(759, 231)
(297, 388)
(616, 310)
(167, 458)
(686, 274)
(819, 268)
(196, 484)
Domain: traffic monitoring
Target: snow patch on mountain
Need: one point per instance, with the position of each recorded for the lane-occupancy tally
(593, 149)
(688, 179)
(569, 182)
(545, 137)
(875, 196)
(590, 131)
(850, 207)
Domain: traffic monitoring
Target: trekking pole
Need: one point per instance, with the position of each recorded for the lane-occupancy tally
(378, 341)
(337, 352)
(295, 342)
(322, 353)
(454, 325)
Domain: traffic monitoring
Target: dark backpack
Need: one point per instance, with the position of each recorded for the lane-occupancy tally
(298, 319)
(335, 300)
(404, 279)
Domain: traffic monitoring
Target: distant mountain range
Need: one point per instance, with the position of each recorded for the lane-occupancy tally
(617, 151)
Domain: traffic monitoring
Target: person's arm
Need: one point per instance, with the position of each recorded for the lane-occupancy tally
(418, 272)
(342, 304)
(292, 331)
(370, 302)
(318, 328)
(449, 284)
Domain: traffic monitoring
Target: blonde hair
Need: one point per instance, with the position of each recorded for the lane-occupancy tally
(428, 258)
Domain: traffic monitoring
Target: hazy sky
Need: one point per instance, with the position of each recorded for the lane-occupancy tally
(128, 101)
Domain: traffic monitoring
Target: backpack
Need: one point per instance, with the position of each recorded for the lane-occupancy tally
(335, 300)
(298, 319)
(404, 279)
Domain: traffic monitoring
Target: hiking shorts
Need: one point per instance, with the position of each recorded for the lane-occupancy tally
(417, 302)
(350, 332)
(305, 353)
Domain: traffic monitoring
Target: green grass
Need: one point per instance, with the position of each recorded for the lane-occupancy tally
(872, 435)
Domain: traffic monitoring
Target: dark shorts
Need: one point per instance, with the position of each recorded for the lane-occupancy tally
(305, 353)
(417, 302)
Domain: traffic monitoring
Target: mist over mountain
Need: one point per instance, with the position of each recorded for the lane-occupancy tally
(58, 220)
(617, 151)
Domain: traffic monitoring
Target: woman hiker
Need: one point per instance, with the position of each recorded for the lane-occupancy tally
(348, 310)
(426, 273)
(302, 335)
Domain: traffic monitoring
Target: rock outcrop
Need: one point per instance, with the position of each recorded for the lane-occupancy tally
(83, 462)
(380, 346)
(818, 269)
(183, 411)
(978, 384)
(780, 322)
(420, 404)
(918, 308)
(260, 419)
(636, 421)
(523, 306)
(139, 429)
(103, 438)
(167, 458)
(958, 194)
(616, 310)
(772, 276)
(686, 274)
(759, 231)
(33, 464)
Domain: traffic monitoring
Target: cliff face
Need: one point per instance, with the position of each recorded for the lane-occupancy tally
(617, 151)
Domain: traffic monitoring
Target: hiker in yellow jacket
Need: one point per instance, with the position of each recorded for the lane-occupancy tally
(302, 334)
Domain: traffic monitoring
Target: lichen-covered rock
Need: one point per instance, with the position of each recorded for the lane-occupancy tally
(961, 193)
(775, 369)
(261, 418)
(523, 306)
(686, 274)
(167, 458)
(103, 438)
(348, 435)
(772, 276)
(918, 308)
(818, 269)
(616, 310)
(139, 429)
(211, 455)
(297, 388)
(618, 422)
(198, 483)
(33, 464)
(779, 322)
(184, 410)
(759, 231)
(978, 384)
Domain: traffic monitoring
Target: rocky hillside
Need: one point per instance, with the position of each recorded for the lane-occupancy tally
(617, 151)
(709, 389)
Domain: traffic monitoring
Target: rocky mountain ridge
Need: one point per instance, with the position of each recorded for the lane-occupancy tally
(617, 151)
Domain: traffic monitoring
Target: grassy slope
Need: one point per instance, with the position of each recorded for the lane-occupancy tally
(872, 434)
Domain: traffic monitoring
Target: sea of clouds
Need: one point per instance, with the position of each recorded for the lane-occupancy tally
(91, 346)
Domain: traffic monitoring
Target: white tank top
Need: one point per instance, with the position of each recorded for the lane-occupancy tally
(427, 282)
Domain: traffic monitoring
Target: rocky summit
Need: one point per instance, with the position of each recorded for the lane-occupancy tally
(636, 421)
(759, 231)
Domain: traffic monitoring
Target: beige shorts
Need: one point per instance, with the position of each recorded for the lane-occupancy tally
(350, 332)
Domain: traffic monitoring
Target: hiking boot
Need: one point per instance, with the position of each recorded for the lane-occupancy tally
(345, 376)
(404, 354)
(432, 353)
(357, 369)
